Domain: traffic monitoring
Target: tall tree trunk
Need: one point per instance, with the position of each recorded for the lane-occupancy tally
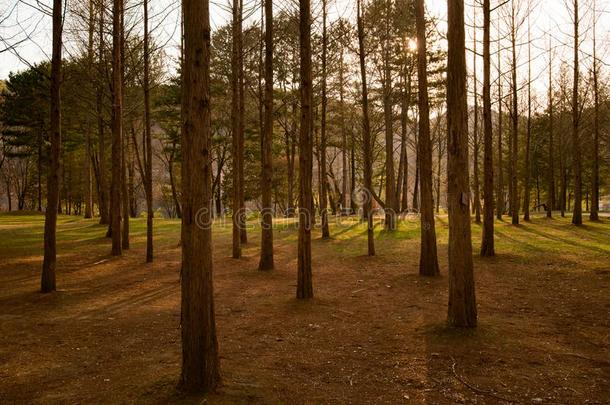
(367, 148)
(476, 143)
(124, 194)
(117, 128)
(304, 274)
(102, 182)
(200, 362)
(528, 136)
(345, 205)
(551, 175)
(237, 217)
(47, 280)
(243, 235)
(390, 206)
(404, 118)
(323, 174)
(576, 158)
(428, 259)
(462, 310)
(500, 192)
(593, 215)
(147, 143)
(87, 155)
(514, 151)
(487, 243)
(266, 259)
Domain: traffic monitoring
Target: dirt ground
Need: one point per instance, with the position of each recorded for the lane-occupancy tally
(375, 333)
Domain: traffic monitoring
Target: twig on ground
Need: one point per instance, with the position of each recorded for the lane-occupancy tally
(479, 390)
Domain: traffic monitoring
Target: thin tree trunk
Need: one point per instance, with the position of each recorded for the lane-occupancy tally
(476, 145)
(344, 152)
(428, 259)
(500, 192)
(304, 273)
(551, 175)
(593, 215)
(200, 362)
(528, 136)
(266, 258)
(87, 155)
(236, 126)
(487, 243)
(367, 149)
(147, 143)
(576, 158)
(102, 183)
(117, 128)
(514, 151)
(323, 174)
(47, 280)
(390, 206)
(462, 310)
(243, 235)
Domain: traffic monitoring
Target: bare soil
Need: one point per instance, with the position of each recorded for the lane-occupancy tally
(375, 332)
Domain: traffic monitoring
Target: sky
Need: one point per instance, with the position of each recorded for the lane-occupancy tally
(26, 27)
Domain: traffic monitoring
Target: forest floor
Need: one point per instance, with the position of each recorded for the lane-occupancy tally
(375, 332)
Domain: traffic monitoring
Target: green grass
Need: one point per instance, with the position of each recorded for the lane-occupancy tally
(21, 234)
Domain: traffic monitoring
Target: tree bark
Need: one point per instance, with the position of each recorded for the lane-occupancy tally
(476, 143)
(500, 192)
(200, 362)
(551, 175)
(47, 280)
(148, 143)
(323, 135)
(594, 214)
(576, 158)
(117, 128)
(304, 275)
(528, 135)
(462, 311)
(514, 151)
(102, 182)
(266, 258)
(487, 243)
(428, 259)
(237, 217)
(367, 149)
(390, 192)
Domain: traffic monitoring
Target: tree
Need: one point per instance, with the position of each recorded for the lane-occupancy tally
(528, 135)
(551, 174)
(147, 155)
(117, 127)
(266, 259)
(514, 135)
(594, 214)
(237, 126)
(500, 192)
(200, 362)
(576, 158)
(390, 193)
(304, 274)
(323, 134)
(487, 244)
(47, 281)
(428, 260)
(102, 187)
(476, 143)
(366, 129)
(462, 310)
(88, 154)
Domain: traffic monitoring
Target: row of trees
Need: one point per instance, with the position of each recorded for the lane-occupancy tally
(363, 102)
